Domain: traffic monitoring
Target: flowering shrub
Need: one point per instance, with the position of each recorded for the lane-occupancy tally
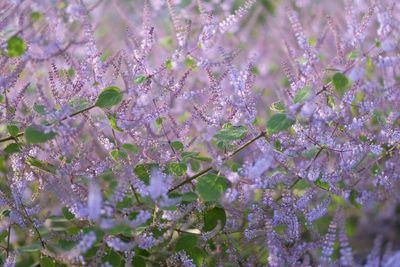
(199, 133)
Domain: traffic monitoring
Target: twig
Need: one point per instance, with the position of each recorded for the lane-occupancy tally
(191, 178)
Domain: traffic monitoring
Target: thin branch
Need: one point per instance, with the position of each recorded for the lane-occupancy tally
(8, 138)
(191, 178)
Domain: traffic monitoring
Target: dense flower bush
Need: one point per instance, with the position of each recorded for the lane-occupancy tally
(199, 133)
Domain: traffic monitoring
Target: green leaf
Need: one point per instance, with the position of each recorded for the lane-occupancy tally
(302, 94)
(176, 145)
(41, 109)
(159, 121)
(109, 97)
(321, 184)
(117, 154)
(44, 166)
(142, 171)
(269, 5)
(140, 79)
(16, 46)
(212, 217)
(12, 130)
(277, 106)
(353, 55)
(186, 242)
(30, 248)
(189, 197)
(47, 262)
(35, 16)
(112, 118)
(168, 64)
(12, 148)
(114, 258)
(176, 168)
(35, 136)
(231, 133)
(354, 194)
(211, 187)
(190, 63)
(67, 214)
(138, 261)
(279, 122)
(340, 83)
(198, 256)
(310, 153)
(195, 165)
(330, 101)
(131, 148)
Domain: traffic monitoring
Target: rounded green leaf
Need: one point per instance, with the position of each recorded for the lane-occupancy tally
(279, 122)
(109, 97)
(340, 83)
(12, 130)
(12, 148)
(186, 241)
(16, 46)
(34, 135)
(212, 217)
(176, 145)
(211, 187)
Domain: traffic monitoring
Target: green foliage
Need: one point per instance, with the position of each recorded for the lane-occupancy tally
(330, 101)
(168, 64)
(231, 133)
(177, 146)
(277, 106)
(47, 262)
(112, 118)
(186, 242)
(41, 109)
(109, 97)
(269, 5)
(33, 135)
(212, 217)
(140, 79)
(211, 187)
(114, 258)
(16, 46)
(279, 122)
(42, 165)
(117, 154)
(142, 171)
(67, 214)
(228, 134)
(12, 130)
(190, 63)
(310, 153)
(176, 168)
(321, 184)
(35, 16)
(340, 83)
(30, 248)
(303, 94)
(189, 197)
(12, 148)
(130, 148)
